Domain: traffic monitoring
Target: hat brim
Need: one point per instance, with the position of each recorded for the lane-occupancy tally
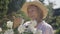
(38, 4)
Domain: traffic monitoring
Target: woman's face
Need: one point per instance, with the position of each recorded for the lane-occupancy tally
(32, 12)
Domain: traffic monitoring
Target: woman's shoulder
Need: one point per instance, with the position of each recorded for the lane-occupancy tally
(47, 26)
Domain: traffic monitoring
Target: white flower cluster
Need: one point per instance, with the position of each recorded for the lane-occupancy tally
(30, 24)
(9, 24)
(0, 29)
(38, 32)
(9, 31)
(33, 23)
(21, 28)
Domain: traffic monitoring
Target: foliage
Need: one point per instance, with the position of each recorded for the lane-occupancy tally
(52, 20)
(16, 31)
(15, 5)
(7, 7)
(23, 15)
(57, 31)
(49, 19)
(3, 7)
(3, 11)
(58, 21)
(27, 33)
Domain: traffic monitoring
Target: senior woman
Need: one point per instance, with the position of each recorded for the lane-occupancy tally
(37, 11)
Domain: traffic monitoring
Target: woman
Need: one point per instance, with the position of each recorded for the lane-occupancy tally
(37, 11)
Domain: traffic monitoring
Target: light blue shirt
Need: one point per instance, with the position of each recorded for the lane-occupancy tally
(45, 27)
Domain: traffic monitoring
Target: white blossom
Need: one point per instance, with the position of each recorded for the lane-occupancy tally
(9, 31)
(0, 29)
(32, 26)
(33, 23)
(9, 24)
(38, 32)
(33, 29)
(21, 28)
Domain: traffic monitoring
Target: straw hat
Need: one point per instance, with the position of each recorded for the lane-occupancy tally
(38, 4)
